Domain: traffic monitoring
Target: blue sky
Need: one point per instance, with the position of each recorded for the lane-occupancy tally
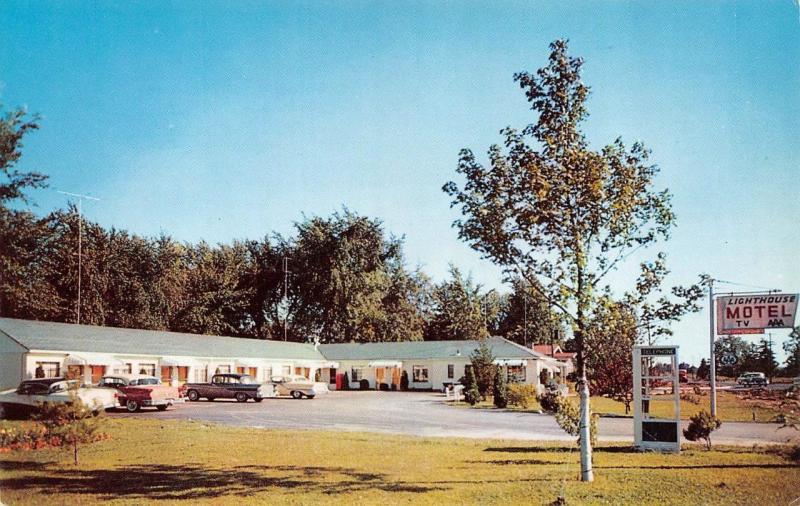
(221, 120)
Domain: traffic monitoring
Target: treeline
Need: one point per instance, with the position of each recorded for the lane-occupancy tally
(348, 282)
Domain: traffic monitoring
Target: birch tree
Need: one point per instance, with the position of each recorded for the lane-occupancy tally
(560, 214)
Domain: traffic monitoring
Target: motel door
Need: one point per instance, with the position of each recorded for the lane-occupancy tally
(97, 373)
(380, 373)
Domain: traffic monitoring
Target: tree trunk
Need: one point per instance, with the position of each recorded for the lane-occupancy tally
(587, 474)
(75, 451)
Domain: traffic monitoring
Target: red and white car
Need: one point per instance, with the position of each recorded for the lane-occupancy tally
(137, 391)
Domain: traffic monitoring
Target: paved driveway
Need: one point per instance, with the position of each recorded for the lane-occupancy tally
(420, 414)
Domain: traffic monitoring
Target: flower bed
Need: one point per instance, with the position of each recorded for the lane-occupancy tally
(31, 436)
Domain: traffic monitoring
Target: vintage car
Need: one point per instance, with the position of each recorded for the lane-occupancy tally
(298, 386)
(137, 391)
(752, 378)
(229, 386)
(30, 394)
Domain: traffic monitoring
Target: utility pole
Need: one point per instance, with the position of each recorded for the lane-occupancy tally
(285, 294)
(80, 241)
(713, 362)
(771, 358)
(525, 317)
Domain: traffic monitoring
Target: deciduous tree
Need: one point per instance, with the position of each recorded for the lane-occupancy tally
(557, 212)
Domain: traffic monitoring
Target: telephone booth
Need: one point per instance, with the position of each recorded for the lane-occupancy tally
(656, 398)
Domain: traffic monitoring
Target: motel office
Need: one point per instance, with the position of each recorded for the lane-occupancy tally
(89, 352)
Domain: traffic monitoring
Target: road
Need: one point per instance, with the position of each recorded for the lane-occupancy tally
(422, 414)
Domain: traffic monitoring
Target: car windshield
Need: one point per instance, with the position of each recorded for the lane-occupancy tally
(63, 385)
(144, 381)
(33, 388)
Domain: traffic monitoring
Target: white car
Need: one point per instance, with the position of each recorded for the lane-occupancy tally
(298, 386)
(27, 397)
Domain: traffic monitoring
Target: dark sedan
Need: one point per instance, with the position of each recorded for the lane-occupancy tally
(229, 386)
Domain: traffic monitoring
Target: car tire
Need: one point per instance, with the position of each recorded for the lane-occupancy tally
(162, 408)
(210, 399)
(193, 395)
(241, 397)
(297, 395)
(258, 399)
(132, 406)
(310, 396)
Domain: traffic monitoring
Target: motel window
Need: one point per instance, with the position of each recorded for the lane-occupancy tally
(286, 370)
(420, 374)
(200, 374)
(267, 373)
(223, 369)
(75, 372)
(451, 370)
(356, 374)
(149, 369)
(516, 374)
(48, 370)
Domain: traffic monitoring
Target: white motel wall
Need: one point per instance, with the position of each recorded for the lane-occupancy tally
(88, 352)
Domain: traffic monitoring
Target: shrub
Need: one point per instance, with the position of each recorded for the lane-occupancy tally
(690, 398)
(794, 453)
(346, 382)
(521, 395)
(500, 389)
(472, 395)
(568, 414)
(383, 386)
(404, 381)
(549, 400)
(568, 417)
(363, 384)
(701, 426)
(483, 367)
(73, 422)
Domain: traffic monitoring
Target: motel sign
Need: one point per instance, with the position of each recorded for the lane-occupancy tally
(752, 314)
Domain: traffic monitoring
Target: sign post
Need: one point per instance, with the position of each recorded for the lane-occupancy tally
(656, 382)
(712, 366)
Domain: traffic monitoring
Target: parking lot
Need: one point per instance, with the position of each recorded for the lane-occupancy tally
(420, 414)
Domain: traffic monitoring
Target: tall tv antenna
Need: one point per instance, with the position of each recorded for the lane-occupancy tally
(80, 198)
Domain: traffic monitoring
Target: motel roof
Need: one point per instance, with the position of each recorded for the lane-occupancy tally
(501, 348)
(69, 337)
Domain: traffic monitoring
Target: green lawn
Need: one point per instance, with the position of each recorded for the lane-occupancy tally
(150, 460)
(730, 408)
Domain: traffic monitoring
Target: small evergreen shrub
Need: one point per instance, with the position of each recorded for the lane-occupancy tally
(701, 426)
(363, 384)
(500, 389)
(471, 394)
(404, 381)
(346, 382)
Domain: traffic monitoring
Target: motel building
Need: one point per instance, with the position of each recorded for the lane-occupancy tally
(89, 352)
